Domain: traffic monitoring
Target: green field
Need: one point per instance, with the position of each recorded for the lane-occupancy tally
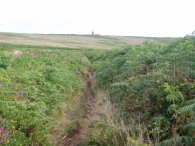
(144, 90)
(77, 41)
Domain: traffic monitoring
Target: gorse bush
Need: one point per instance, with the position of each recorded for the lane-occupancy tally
(33, 84)
(153, 85)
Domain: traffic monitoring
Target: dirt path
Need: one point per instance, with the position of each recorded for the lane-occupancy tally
(80, 134)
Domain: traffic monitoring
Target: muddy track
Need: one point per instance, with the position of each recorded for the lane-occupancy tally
(90, 94)
(80, 135)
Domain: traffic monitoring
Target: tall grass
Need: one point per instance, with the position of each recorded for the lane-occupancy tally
(110, 127)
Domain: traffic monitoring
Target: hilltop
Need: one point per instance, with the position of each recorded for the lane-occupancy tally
(77, 41)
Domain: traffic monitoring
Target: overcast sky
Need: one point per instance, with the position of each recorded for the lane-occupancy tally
(108, 17)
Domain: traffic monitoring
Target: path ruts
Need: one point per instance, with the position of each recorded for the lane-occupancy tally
(80, 134)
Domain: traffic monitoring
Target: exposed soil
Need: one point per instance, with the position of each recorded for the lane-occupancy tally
(80, 134)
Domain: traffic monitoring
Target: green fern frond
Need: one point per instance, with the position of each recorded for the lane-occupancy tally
(187, 109)
(159, 76)
(192, 101)
(192, 74)
(189, 126)
(176, 141)
(119, 85)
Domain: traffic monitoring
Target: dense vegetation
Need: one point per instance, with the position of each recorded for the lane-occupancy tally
(148, 92)
(34, 82)
(152, 86)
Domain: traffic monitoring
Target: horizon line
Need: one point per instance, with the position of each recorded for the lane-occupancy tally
(87, 34)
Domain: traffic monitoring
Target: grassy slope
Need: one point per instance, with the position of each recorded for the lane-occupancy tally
(41, 80)
(34, 84)
(76, 41)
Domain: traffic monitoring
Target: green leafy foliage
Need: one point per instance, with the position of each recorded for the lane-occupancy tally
(178, 140)
(107, 136)
(33, 84)
(153, 85)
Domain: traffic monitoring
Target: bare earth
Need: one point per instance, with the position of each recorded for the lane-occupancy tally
(80, 135)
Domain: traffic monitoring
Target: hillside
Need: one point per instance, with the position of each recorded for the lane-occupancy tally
(96, 90)
(152, 89)
(76, 41)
